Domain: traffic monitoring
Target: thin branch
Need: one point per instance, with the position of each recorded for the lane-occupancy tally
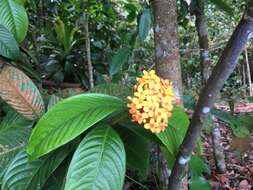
(138, 183)
(220, 74)
(248, 71)
(60, 85)
(88, 51)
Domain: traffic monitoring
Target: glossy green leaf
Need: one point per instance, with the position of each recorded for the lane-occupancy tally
(68, 119)
(13, 16)
(145, 24)
(47, 167)
(8, 45)
(57, 179)
(197, 166)
(140, 131)
(98, 163)
(118, 60)
(137, 150)
(198, 182)
(23, 175)
(174, 134)
(13, 119)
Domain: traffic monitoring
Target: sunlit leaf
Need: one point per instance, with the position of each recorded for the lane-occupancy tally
(68, 119)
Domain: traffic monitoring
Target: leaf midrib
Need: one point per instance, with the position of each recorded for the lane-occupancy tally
(101, 156)
(55, 128)
(62, 125)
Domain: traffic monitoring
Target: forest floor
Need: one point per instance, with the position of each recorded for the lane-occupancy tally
(239, 174)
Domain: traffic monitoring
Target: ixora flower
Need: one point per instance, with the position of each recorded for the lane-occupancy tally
(152, 102)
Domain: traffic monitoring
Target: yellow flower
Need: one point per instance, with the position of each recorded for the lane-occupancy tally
(152, 102)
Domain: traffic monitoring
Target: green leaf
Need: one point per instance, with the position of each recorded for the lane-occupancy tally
(174, 134)
(98, 163)
(13, 16)
(145, 24)
(226, 117)
(140, 131)
(47, 167)
(189, 102)
(13, 119)
(197, 183)
(221, 4)
(137, 150)
(250, 99)
(112, 89)
(118, 60)
(65, 34)
(241, 131)
(23, 175)
(19, 91)
(8, 45)
(57, 179)
(241, 125)
(68, 119)
(197, 166)
(21, 2)
(245, 120)
(12, 139)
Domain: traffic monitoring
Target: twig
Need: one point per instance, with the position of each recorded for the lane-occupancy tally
(248, 71)
(61, 85)
(88, 51)
(220, 74)
(138, 183)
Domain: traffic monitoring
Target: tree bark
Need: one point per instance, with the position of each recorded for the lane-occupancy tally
(202, 30)
(218, 150)
(220, 74)
(248, 72)
(167, 43)
(88, 50)
(167, 58)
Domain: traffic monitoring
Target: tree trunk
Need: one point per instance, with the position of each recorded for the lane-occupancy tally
(167, 43)
(220, 74)
(88, 50)
(167, 57)
(202, 29)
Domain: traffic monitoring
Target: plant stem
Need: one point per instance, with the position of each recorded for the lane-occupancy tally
(88, 51)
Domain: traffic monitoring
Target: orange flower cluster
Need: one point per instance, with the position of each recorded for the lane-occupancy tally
(152, 102)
